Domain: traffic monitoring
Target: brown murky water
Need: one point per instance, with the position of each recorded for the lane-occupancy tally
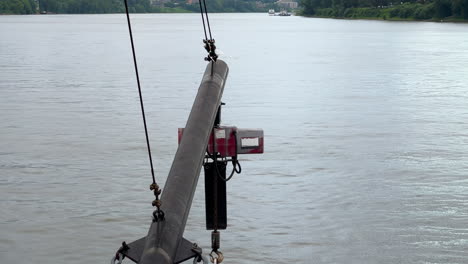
(365, 122)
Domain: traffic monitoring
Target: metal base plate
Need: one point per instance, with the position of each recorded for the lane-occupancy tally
(184, 252)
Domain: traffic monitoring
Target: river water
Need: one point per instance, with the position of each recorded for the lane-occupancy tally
(366, 126)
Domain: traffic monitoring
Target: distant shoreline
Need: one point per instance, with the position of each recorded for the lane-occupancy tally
(394, 19)
(178, 12)
(420, 11)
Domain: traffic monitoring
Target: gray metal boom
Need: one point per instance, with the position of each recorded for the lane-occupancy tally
(164, 241)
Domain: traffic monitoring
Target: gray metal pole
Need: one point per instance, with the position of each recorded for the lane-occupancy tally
(164, 237)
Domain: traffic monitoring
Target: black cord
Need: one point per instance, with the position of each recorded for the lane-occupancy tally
(139, 92)
(236, 167)
(209, 43)
(203, 20)
(207, 20)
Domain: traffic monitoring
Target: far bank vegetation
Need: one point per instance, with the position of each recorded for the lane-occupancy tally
(450, 10)
(135, 6)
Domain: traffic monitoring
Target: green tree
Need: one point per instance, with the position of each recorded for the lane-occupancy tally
(460, 8)
(17, 6)
(443, 8)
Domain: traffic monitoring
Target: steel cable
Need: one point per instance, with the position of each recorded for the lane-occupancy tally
(154, 186)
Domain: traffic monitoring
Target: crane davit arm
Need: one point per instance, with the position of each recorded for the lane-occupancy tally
(164, 243)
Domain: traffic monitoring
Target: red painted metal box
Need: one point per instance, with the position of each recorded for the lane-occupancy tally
(229, 141)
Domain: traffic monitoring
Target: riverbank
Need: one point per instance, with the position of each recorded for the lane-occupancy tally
(445, 20)
(432, 12)
(138, 6)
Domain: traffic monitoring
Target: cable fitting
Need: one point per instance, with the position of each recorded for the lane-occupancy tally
(210, 47)
(158, 215)
(215, 240)
(119, 256)
(199, 257)
(154, 186)
(156, 203)
(216, 257)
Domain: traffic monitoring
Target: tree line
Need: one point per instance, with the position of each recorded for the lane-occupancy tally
(73, 6)
(135, 6)
(17, 6)
(405, 9)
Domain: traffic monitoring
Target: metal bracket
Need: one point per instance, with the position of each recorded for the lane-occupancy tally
(186, 250)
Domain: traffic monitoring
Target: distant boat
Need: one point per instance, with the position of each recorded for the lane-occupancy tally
(271, 12)
(284, 13)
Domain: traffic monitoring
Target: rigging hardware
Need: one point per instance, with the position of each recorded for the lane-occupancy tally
(119, 256)
(158, 214)
(209, 43)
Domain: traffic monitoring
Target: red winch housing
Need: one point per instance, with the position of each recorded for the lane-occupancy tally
(231, 141)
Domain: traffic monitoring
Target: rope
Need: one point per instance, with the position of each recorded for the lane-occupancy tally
(153, 186)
